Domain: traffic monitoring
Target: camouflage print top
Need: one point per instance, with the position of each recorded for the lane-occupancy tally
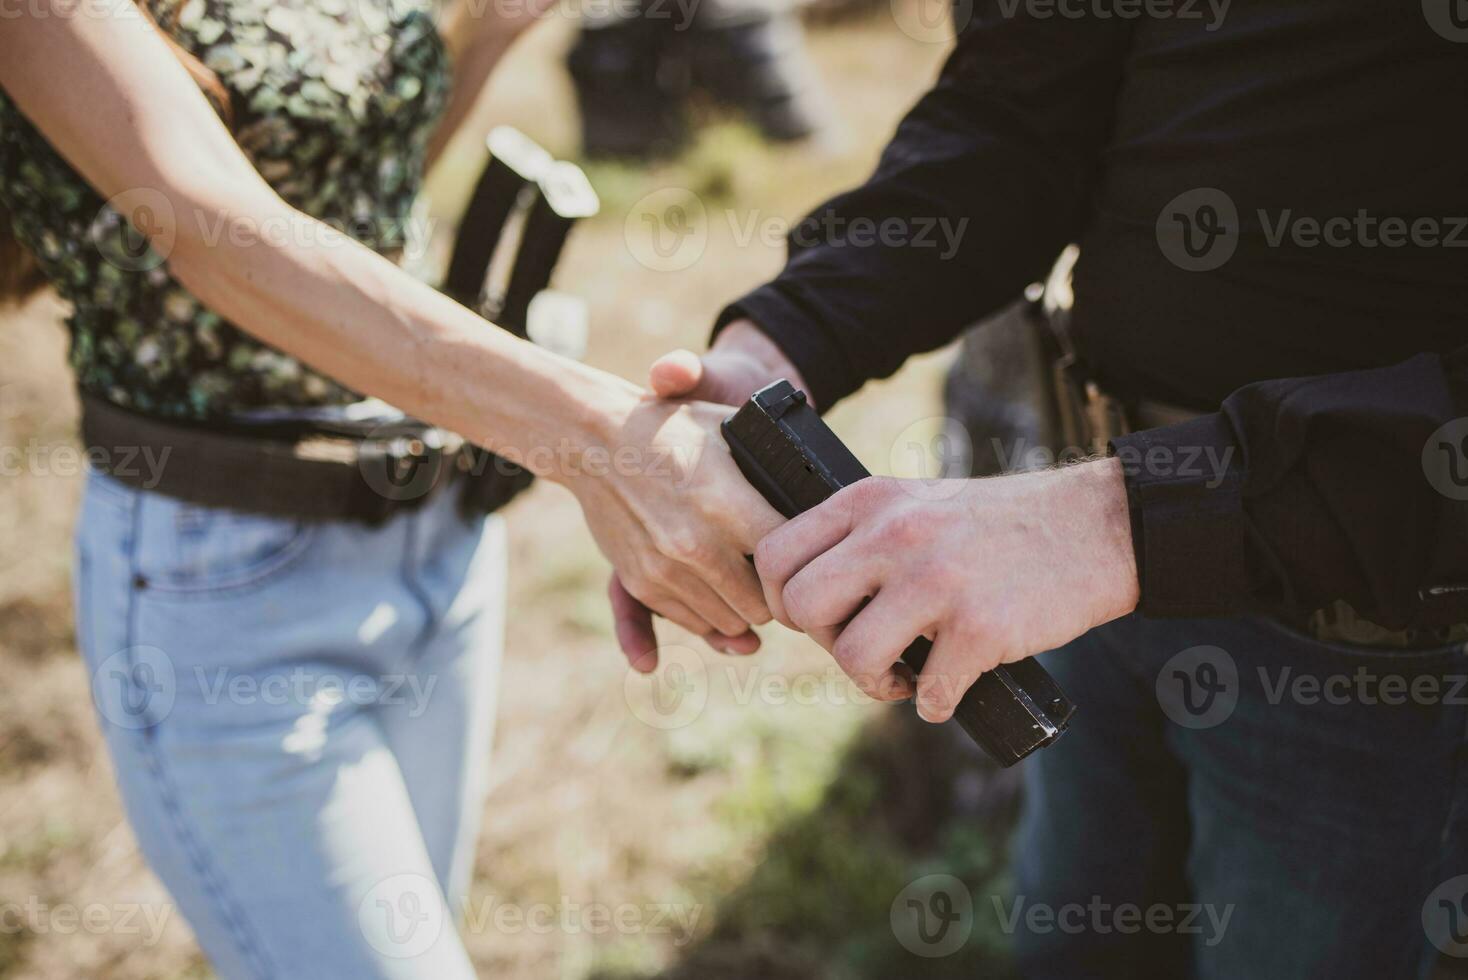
(333, 103)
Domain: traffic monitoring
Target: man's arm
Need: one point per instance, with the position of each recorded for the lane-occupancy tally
(1298, 494)
(1302, 492)
(986, 180)
(992, 571)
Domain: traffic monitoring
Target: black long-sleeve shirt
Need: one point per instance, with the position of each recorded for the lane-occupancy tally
(1324, 332)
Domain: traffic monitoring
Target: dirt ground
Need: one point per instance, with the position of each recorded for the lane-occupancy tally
(766, 836)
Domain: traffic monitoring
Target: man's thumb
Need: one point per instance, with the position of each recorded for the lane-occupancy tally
(676, 374)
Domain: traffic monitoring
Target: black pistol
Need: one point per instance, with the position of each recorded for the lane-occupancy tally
(795, 461)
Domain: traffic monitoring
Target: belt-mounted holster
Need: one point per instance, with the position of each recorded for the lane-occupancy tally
(510, 237)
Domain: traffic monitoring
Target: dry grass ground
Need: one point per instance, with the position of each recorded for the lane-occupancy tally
(779, 823)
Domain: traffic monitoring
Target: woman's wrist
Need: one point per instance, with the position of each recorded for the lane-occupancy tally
(586, 413)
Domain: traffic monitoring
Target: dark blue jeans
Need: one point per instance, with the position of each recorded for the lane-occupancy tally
(1237, 801)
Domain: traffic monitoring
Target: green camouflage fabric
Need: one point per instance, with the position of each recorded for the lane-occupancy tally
(333, 102)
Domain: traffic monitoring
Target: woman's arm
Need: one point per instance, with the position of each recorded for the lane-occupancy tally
(669, 508)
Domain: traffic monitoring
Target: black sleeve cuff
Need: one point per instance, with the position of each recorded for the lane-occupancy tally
(1185, 490)
(806, 340)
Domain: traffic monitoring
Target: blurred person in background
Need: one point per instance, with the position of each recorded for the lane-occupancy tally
(308, 829)
(638, 66)
(1258, 585)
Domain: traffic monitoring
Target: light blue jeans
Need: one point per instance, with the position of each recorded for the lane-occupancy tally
(300, 717)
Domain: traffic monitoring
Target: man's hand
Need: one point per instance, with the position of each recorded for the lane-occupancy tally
(992, 571)
(742, 361)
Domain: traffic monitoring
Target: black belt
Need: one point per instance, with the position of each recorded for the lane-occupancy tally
(1089, 417)
(316, 471)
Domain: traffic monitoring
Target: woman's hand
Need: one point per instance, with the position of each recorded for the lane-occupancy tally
(742, 360)
(670, 509)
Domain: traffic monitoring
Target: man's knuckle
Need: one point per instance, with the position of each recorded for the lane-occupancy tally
(797, 600)
(858, 663)
(862, 675)
(905, 529)
(684, 545)
(766, 555)
(859, 656)
(862, 494)
(846, 650)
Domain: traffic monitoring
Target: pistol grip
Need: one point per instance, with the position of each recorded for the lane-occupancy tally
(789, 455)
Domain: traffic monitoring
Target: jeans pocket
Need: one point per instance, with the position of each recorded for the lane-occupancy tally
(1300, 639)
(191, 551)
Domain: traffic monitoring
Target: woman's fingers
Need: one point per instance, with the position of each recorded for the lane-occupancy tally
(632, 623)
(732, 575)
(740, 646)
(638, 641)
(683, 599)
(700, 597)
(676, 612)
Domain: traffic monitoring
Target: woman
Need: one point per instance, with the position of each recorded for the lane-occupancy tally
(299, 708)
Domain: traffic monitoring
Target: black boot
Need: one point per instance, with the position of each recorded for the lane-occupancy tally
(631, 89)
(755, 61)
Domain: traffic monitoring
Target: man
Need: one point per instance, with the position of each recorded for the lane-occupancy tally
(1261, 606)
